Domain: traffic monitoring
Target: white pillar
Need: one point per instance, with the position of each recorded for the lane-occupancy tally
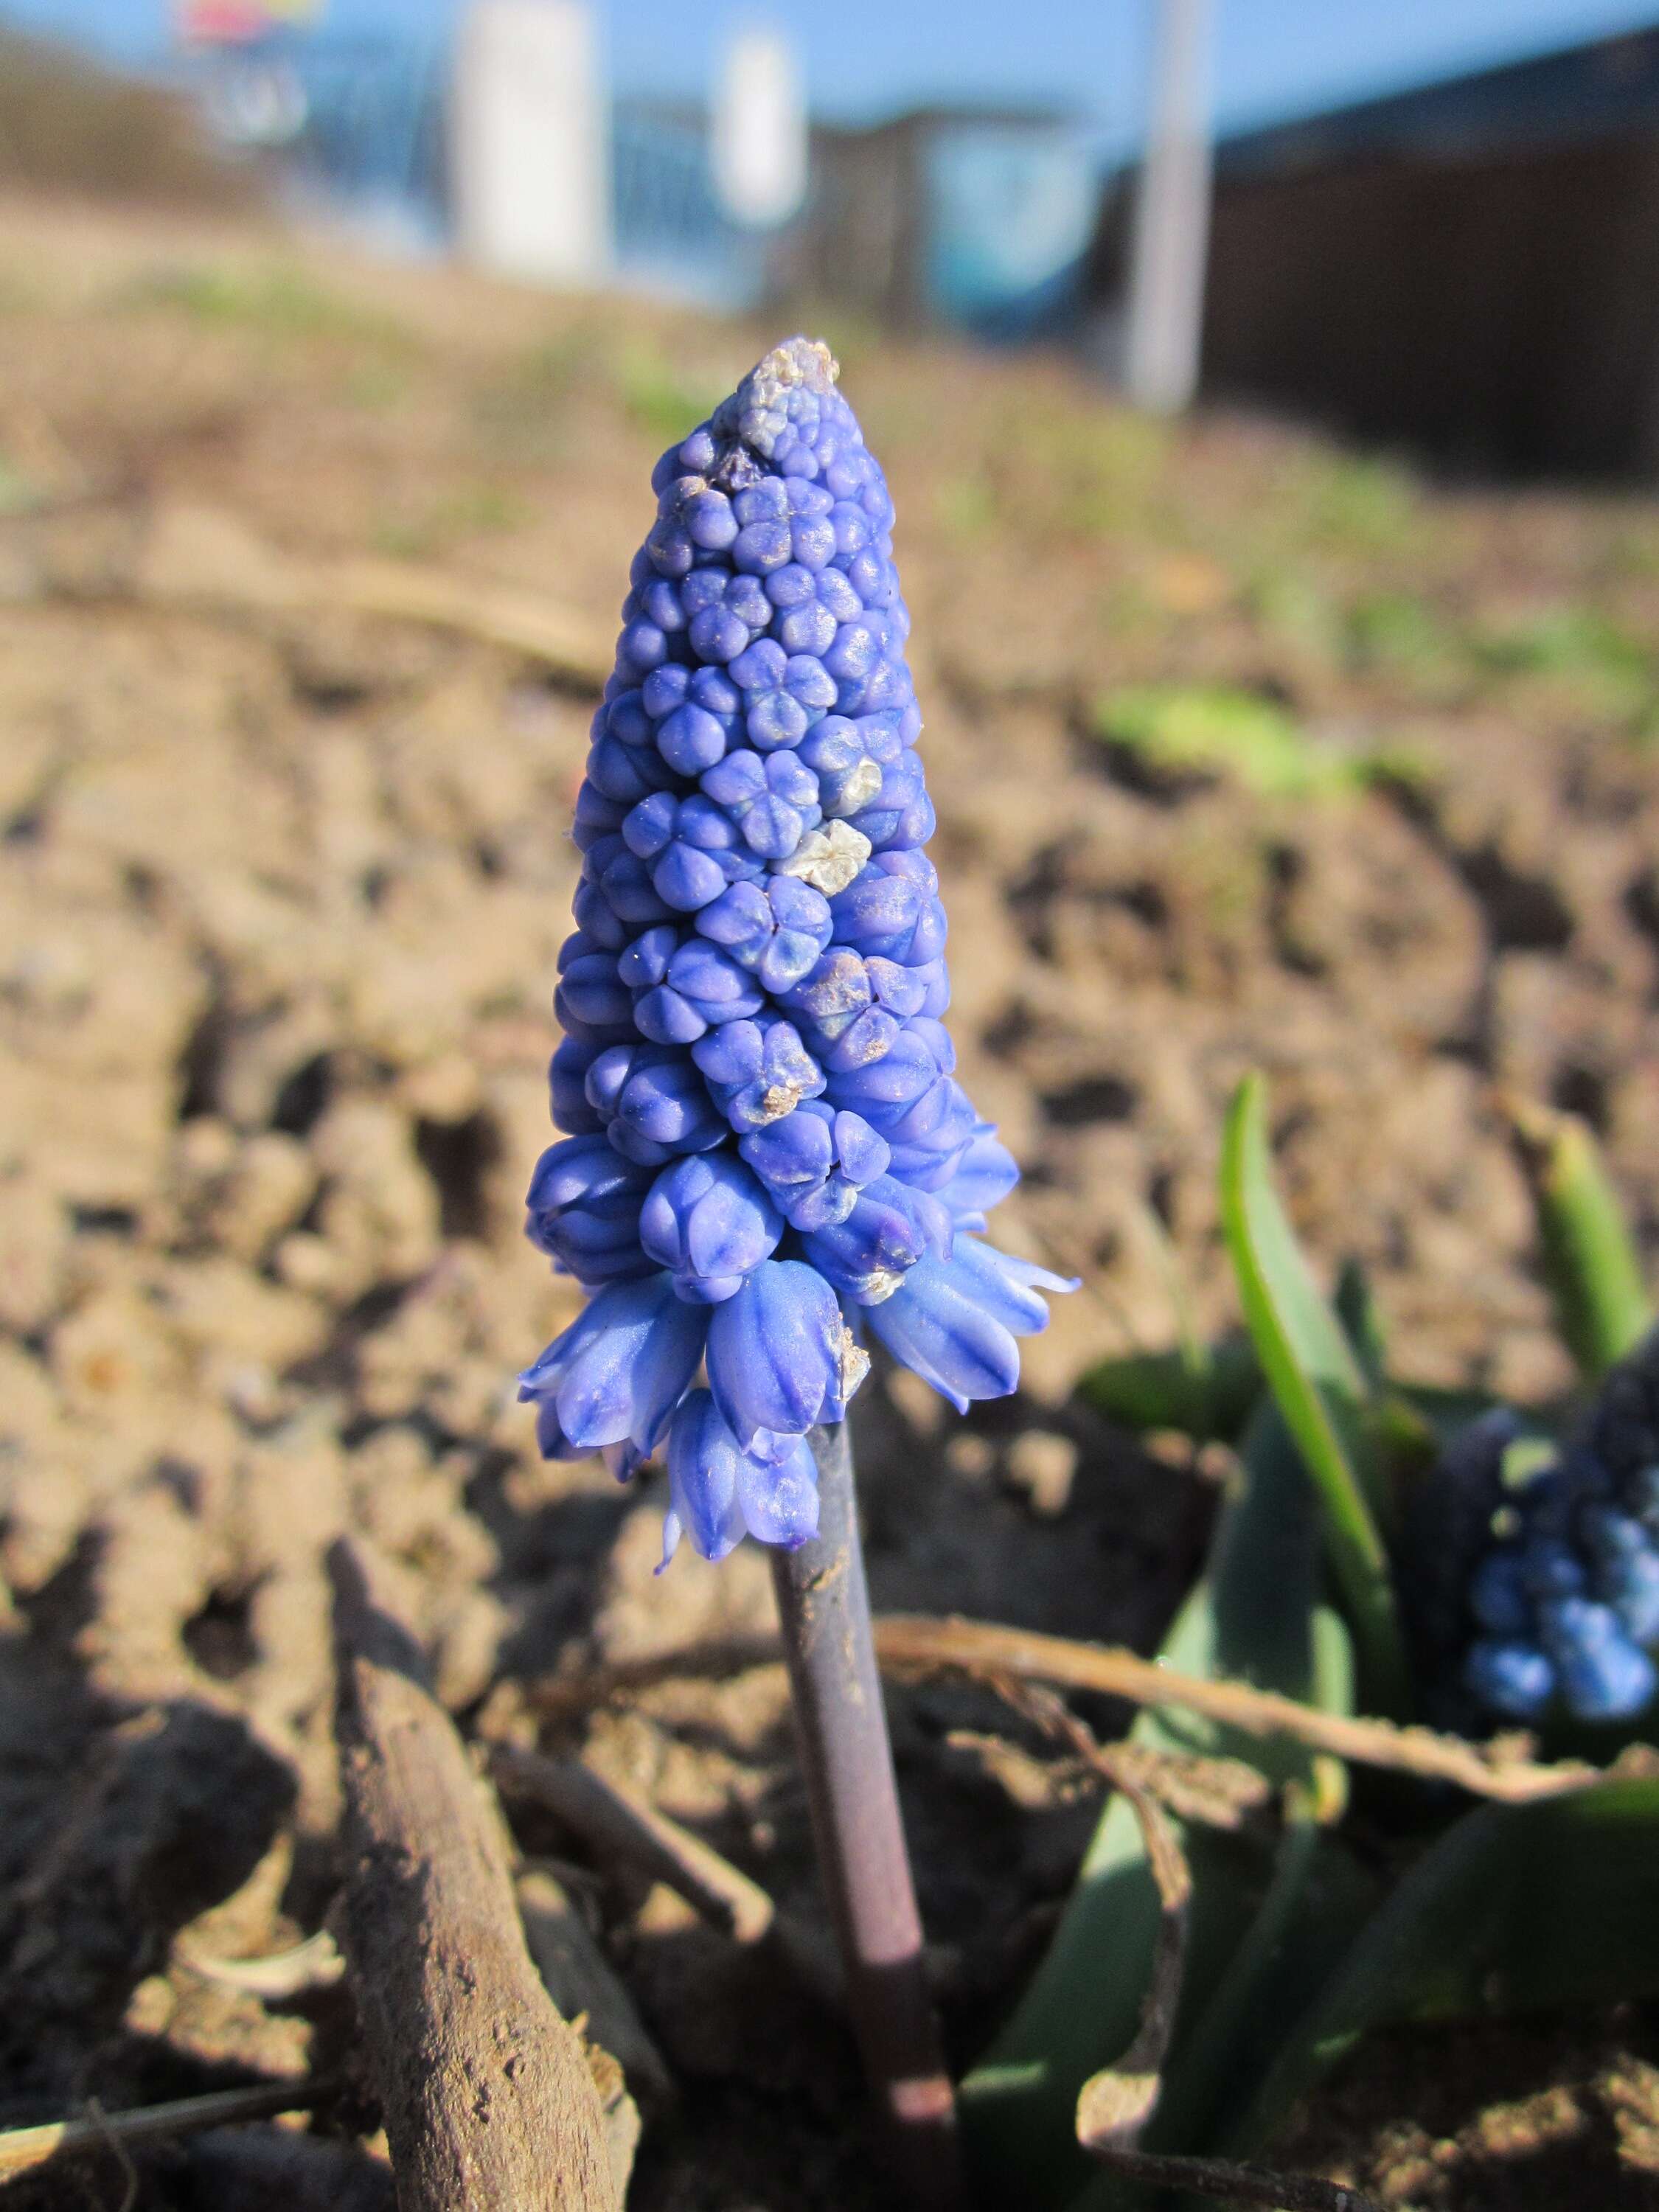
(760, 129)
(530, 142)
(1172, 216)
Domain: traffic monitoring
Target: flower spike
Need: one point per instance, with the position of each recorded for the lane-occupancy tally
(764, 1136)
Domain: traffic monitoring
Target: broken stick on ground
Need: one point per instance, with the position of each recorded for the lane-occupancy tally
(1239, 2185)
(614, 1821)
(26, 2150)
(485, 2090)
(915, 1646)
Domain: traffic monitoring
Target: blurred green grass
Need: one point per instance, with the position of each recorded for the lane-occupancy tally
(273, 300)
(479, 510)
(1217, 729)
(664, 396)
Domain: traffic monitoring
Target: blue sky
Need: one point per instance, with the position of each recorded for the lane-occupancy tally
(867, 57)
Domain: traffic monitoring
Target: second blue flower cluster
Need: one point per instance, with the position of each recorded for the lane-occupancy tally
(765, 1145)
(1560, 1578)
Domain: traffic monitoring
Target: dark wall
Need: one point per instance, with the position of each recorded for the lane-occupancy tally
(1502, 312)
(861, 241)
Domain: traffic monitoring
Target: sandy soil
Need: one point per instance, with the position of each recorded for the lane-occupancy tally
(280, 896)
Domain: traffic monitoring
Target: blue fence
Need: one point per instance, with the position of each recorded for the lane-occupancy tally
(671, 233)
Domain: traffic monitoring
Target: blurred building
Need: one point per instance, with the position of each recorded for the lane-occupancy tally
(505, 138)
(972, 218)
(975, 217)
(237, 22)
(1472, 267)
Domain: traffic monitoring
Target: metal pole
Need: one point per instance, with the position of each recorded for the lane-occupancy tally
(1172, 217)
(824, 1605)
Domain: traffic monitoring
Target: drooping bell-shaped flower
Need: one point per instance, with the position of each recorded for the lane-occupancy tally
(764, 1138)
(622, 1366)
(955, 1321)
(780, 1356)
(719, 1493)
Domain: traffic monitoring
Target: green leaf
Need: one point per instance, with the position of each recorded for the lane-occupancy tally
(1319, 1899)
(1434, 1413)
(1361, 1320)
(1590, 1258)
(1213, 729)
(1253, 1618)
(1203, 1396)
(1319, 1386)
(1516, 1908)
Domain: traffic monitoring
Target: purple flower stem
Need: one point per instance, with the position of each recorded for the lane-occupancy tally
(824, 1604)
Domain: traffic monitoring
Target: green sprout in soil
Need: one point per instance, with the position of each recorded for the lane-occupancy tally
(1215, 730)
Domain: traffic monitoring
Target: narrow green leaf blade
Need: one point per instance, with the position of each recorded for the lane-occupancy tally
(1515, 1908)
(1589, 1257)
(1318, 1385)
(1252, 1616)
(1320, 1899)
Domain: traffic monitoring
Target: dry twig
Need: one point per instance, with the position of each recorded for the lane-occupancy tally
(521, 621)
(1115, 2104)
(1239, 2185)
(613, 1819)
(914, 1645)
(25, 2150)
(485, 2089)
(586, 1987)
(314, 1964)
(1218, 1793)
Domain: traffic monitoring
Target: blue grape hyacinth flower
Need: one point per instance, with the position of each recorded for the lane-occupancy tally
(765, 1145)
(1535, 1570)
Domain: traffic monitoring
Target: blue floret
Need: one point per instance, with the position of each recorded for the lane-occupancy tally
(1511, 1679)
(1604, 1676)
(763, 1137)
(1498, 1597)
